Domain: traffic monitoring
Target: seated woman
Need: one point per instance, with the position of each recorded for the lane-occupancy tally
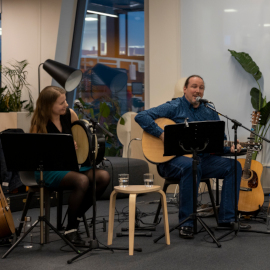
(52, 115)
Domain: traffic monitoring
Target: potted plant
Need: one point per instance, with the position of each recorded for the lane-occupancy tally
(259, 103)
(14, 81)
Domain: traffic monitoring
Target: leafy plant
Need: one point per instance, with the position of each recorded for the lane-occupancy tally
(259, 103)
(107, 113)
(14, 79)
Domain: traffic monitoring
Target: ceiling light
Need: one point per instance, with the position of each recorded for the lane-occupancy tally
(230, 10)
(91, 19)
(102, 13)
(266, 25)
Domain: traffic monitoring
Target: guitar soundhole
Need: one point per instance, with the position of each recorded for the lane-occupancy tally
(253, 182)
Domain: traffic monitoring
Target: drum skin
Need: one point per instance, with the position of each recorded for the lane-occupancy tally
(82, 134)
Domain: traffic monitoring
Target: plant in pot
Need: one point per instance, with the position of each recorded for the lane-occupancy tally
(14, 79)
(259, 103)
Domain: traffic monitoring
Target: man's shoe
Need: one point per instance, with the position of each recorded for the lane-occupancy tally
(230, 225)
(74, 237)
(186, 232)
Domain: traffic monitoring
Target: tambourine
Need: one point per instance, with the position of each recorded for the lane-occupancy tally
(82, 132)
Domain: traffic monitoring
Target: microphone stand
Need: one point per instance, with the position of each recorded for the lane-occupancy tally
(236, 124)
(94, 243)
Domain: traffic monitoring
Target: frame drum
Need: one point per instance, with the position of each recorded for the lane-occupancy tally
(82, 132)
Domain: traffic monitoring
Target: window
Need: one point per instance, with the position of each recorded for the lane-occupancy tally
(135, 22)
(90, 35)
(122, 34)
(103, 35)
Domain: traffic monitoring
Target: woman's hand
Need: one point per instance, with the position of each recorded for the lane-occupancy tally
(239, 147)
(76, 146)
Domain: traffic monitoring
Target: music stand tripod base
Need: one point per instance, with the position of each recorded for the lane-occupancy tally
(33, 152)
(181, 139)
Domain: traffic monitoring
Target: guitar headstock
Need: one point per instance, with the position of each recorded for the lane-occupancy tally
(255, 118)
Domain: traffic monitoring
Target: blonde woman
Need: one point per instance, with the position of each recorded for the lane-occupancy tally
(52, 115)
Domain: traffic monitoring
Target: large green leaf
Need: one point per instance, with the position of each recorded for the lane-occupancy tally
(265, 114)
(104, 109)
(247, 63)
(122, 121)
(255, 98)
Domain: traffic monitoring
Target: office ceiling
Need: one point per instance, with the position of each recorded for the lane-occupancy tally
(117, 5)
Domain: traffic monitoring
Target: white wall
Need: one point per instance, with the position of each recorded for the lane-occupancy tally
(207, 32)
(162, 54)
(30, 29)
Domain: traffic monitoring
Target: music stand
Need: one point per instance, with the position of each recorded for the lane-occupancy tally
(39, 152)
(194, 137)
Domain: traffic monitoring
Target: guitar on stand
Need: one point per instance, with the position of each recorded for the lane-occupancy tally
(6, 220)
(251, 196)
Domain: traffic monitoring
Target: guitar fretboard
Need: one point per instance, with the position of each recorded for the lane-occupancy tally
(249, 156)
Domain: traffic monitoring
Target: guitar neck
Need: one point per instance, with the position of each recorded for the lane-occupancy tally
(244, 144)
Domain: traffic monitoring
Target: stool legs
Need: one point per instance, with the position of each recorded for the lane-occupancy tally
(165, 216)
(132, 211)
(111, 217)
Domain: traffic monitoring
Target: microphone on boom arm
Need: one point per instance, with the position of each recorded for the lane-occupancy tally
(202, 100)
(78, 104)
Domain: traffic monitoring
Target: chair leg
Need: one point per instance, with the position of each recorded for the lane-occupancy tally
(25, 210)
(217, 191)
(132, 210)
(212, 198)
(165, 216)
(59, 209)
(47, 202)
(86, 226)
(165, 187)
(111, 217)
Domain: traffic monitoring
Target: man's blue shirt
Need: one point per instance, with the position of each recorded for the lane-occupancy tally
(177, 110)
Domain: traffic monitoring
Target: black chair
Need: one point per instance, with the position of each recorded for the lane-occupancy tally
(28, 179)
(170, 181)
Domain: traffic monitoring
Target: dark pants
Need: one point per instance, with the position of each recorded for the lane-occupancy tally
(209, 166)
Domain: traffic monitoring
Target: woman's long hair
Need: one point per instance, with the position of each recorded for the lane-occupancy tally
(43, 111)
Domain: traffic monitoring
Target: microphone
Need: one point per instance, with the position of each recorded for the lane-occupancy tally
(202, 100)
(78, 104)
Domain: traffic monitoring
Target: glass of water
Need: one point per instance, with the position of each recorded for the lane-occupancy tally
(123, 179)
(148, 179)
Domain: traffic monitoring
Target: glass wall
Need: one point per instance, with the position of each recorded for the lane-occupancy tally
(112, 62)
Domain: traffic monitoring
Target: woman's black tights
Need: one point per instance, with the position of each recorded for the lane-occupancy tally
(80, 199)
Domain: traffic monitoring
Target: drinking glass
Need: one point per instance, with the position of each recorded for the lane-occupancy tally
(123, 179)
(148, 179)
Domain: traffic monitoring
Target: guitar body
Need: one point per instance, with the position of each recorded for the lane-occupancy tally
(250, 202)
(6, 220)
(153, 147)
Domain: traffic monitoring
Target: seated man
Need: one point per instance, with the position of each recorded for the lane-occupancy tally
(209, 166)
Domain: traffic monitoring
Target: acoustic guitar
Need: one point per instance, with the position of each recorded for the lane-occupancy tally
(153, 147)
(250, 201)
(6, 220)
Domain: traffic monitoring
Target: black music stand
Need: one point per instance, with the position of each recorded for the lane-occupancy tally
(39, 152)
(194, 137)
